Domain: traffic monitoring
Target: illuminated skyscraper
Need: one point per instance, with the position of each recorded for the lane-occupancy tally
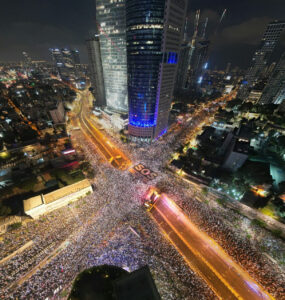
(96, 70)
(111, 21)
(27, 62)
(75, 56)
(199, 61)
(57, 57)
(27, 59)
(183, 66)
(154, 34)
(268, 43)
(274, 91)
(64, 63)
(261, 57)
(193, 56)
(67, 58)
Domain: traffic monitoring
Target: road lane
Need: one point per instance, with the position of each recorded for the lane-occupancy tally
(112, 154)
(204, 255)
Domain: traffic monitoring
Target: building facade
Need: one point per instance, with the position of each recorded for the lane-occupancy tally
(154, 34)
(261, 57)
(274, 91)
(183, 66)
(64, 61)
(96, 70)
(43, 204)
(75, 56)
(57, 113)
(111, 22)
(199, 62)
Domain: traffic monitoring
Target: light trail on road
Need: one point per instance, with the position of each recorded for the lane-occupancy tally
(111, 153)
(226, 278)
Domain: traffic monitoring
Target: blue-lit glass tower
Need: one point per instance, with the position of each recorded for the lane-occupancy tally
(154, 34)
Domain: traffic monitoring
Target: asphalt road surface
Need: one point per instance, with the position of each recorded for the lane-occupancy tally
(107, 149)
(227, 279)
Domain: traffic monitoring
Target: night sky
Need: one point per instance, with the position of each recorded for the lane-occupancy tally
(36, 25)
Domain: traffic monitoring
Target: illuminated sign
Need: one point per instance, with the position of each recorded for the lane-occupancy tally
(145, 172)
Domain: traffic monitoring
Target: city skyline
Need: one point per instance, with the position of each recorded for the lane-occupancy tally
(40, 26)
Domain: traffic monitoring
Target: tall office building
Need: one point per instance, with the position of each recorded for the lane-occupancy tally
(261, 57)
(96, 70)
(27, 63)
(154, 34)
(274, 91)
(193, 56)
(187, 30)
(185, 54)
(228, 68)
(75, 56)
(199, 61)
(64, 63)
(27, 59)
(183, 66)
(56, 57)
(111, 21)
(67, 58)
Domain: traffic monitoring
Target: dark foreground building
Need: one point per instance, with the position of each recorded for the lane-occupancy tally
(154, 34)
(113, 283)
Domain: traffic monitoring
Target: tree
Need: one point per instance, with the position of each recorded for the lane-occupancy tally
(281, 187)
(28, 185)
(205, 191)
(5, 210)
(90, 173)
(247, 106)
(253, 173)
(234, 103)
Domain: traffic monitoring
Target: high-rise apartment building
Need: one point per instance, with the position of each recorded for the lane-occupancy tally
(154, 34)
(261, 57)
(274, 91)
(111, 21)
(96, 70)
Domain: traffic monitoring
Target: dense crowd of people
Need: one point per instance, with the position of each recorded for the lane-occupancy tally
(110, 226)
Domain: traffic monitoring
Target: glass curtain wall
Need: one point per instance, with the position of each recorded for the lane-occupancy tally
(145, 20)
(111, 22)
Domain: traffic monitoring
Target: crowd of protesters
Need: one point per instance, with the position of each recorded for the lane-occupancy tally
(110, 226)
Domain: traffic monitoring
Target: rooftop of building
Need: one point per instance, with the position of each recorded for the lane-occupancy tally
(242, 147)
(55, 195)
(67, 190)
